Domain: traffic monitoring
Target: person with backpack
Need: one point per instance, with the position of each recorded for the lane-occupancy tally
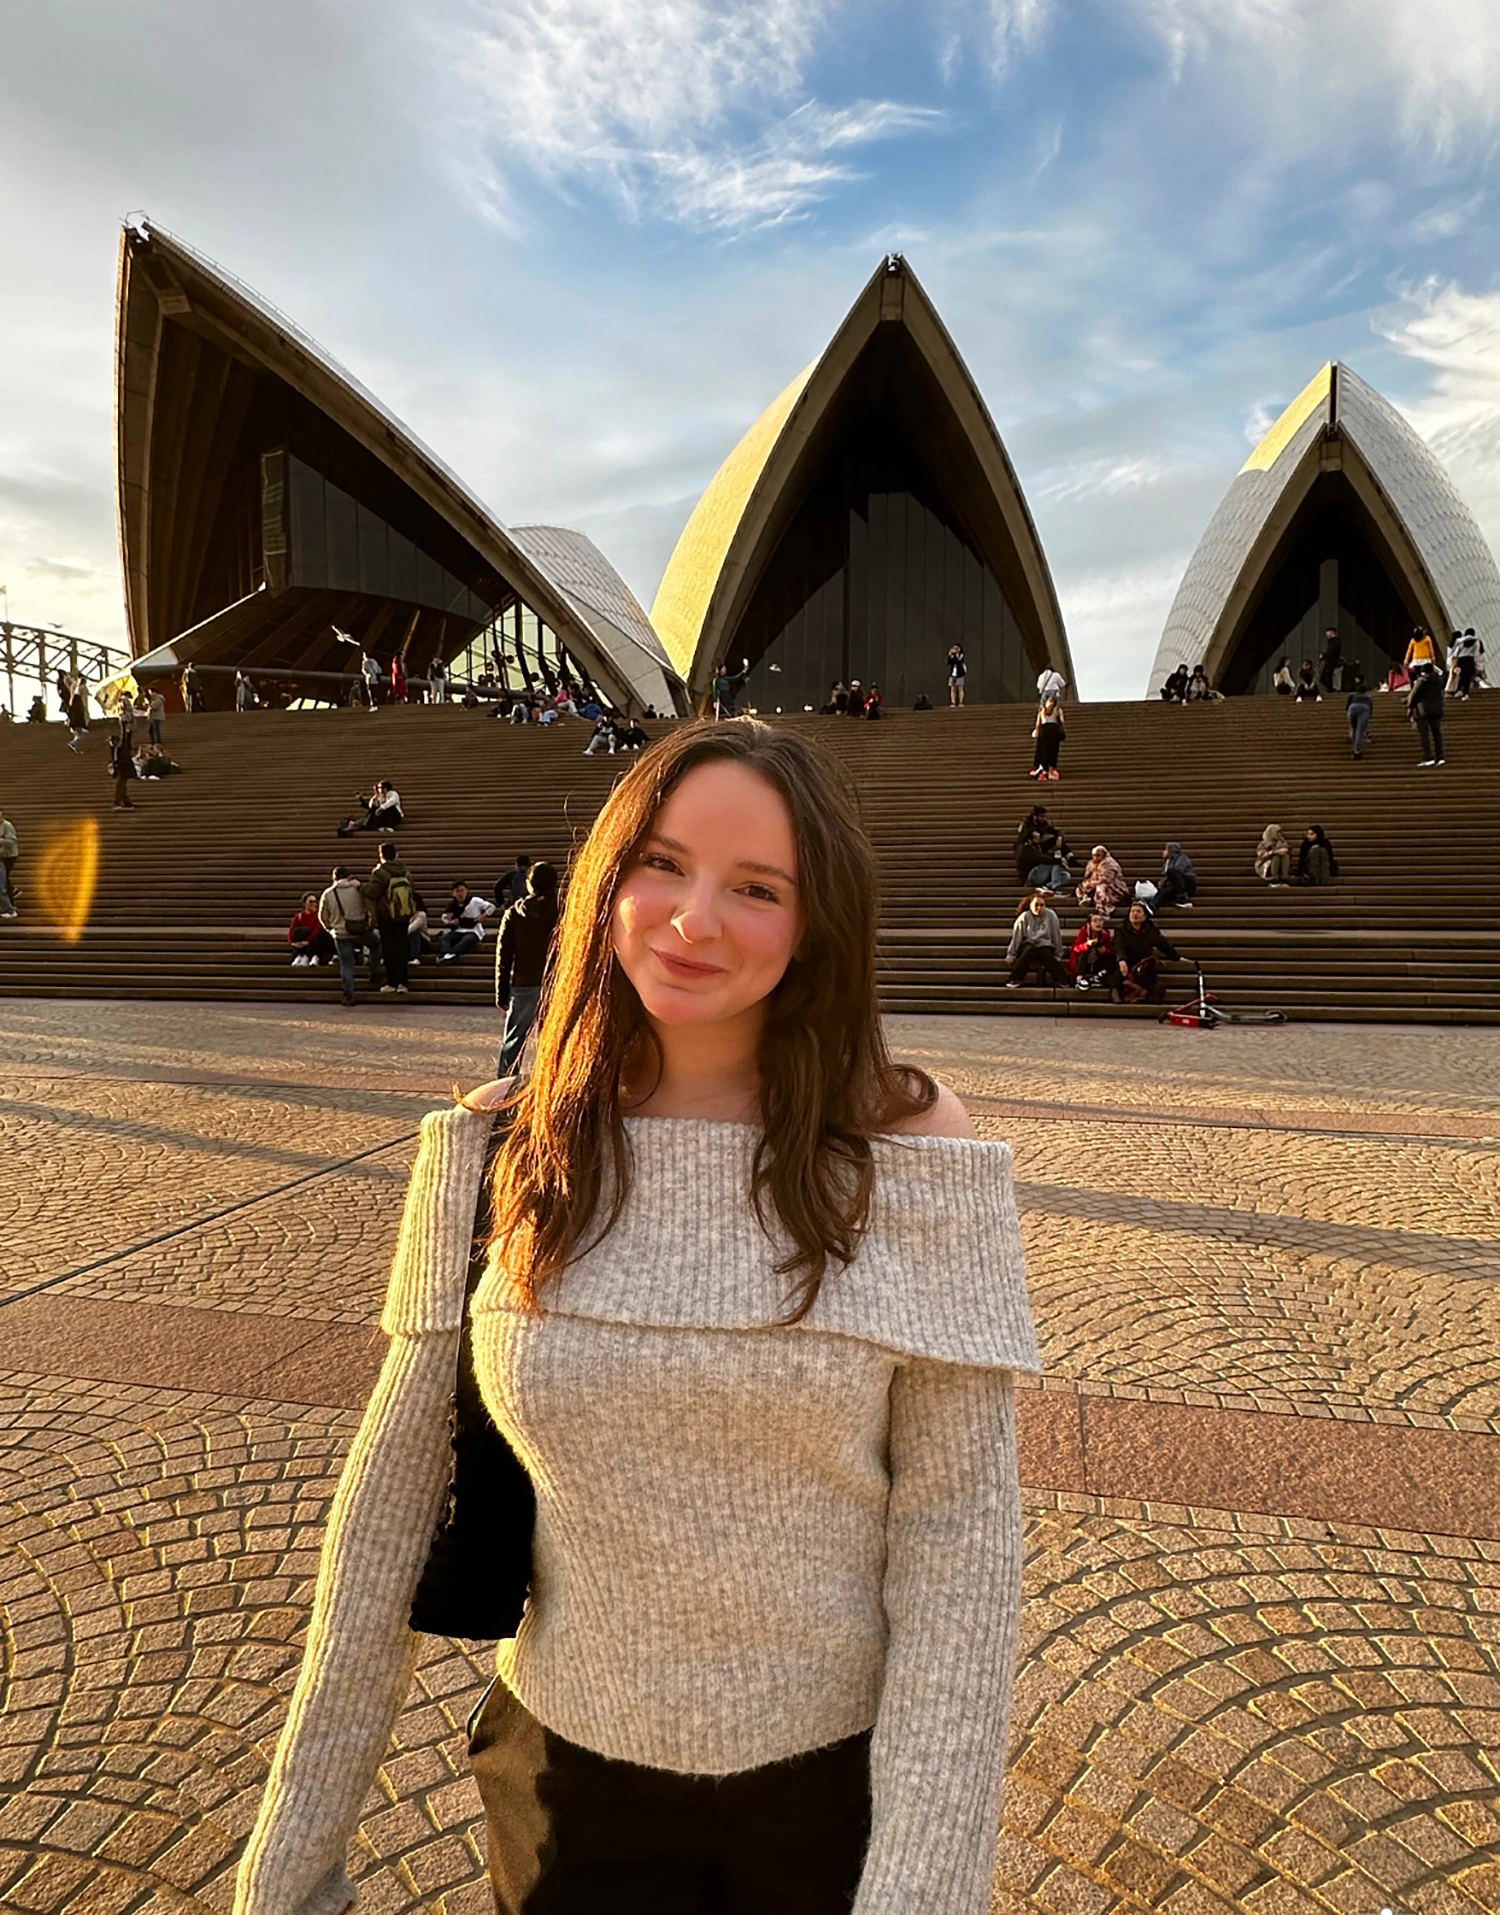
(388, 890)
(521, 960)
(344, 913)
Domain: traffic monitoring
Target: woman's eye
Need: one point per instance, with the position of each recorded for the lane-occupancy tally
(657, 861)
(763, 891)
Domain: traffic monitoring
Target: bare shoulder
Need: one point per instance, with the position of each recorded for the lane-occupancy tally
(946, 1118)
(492, 1095)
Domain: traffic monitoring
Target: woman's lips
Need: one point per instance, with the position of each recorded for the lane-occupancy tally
(685, 967)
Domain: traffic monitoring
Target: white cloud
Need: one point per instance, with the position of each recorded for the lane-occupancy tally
(1439, 60)
(1106, 478)
(1114, 619)
(689, 108)
(1456, 335)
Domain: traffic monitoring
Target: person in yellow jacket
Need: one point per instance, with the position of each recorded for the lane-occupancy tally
(1422, 649)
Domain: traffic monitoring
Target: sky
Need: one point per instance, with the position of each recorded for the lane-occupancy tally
(579, 245)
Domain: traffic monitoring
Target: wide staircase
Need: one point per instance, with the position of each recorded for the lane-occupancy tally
(193, 889)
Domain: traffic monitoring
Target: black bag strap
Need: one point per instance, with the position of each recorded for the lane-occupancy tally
(478, 1570)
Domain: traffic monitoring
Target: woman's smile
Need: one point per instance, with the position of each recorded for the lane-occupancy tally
(686, 968)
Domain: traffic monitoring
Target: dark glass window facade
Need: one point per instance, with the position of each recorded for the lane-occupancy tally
(1333, 573)
(875, 579)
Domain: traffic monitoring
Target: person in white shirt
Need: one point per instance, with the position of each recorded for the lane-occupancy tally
(156, 711)
(1050, 684)
(381, 811)
(369, 670)
(463, 924)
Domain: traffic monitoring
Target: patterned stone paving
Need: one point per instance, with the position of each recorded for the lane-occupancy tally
(1216, 1711)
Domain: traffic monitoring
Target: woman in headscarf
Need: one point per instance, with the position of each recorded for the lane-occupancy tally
(1179, 881)
(1316, 863)
(1049, 732)
(1103, 887)
(1273, 858)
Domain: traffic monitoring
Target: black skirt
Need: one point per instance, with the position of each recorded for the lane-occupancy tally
(574, 1833)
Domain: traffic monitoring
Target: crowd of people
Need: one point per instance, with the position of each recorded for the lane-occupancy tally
(1119, 946)
(383, 922)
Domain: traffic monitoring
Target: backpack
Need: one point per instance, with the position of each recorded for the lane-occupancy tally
(399, 902)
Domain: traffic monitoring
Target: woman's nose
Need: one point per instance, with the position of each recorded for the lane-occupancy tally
(697, 917)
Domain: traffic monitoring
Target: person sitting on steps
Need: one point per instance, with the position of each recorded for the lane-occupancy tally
(1092, 958)
(1179, 881)
(1316, 863)
(381, 811)
(1035, 944)
(463, 923)
(1140, 950)
(307, 936)
(1273, 858)
(1103, 887)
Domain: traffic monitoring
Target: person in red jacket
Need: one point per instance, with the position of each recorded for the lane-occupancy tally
(307, 936)
(398, 680)
(1091, 961)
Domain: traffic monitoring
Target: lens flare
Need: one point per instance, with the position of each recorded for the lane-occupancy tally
(66, 873)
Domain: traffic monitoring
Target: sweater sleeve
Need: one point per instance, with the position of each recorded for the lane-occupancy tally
(952, 1600)
(360, 1652)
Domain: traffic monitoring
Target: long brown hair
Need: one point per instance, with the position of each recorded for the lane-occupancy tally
(827, 1080)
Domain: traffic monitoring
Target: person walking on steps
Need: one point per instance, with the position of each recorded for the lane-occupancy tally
(1049, 732)
(748, 1312)
(1359, 709)
(78, 711)
(344, 913)
(521, 952)
(1050, 684)
(1424, 705)
(1421, 650)
(958, 671)
(122, 770)
(388, 890)
(10, 851)
(1464, 659)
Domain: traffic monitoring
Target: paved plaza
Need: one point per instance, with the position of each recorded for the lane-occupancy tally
(1261, 1660)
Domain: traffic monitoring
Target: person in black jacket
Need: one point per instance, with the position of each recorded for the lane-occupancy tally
(521, 959)
(1424, 705)
(1140, 950)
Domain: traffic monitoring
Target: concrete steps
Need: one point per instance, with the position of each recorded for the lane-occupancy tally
(195, 887)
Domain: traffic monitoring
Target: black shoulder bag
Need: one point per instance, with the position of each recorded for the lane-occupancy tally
(479, 1567)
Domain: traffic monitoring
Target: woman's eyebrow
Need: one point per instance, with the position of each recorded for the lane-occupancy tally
(743, 864)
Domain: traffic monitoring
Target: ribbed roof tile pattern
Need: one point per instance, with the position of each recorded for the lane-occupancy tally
(1439, 524)
(605, 602)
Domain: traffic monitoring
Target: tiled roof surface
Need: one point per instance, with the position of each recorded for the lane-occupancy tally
(1440, 525)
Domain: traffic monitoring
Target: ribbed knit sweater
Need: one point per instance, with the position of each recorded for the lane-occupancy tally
(751, 1540)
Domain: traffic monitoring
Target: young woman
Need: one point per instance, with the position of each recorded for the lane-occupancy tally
(306, 935)
(958, 671)
(1049, 733)
(749, 1321)
(1273, 858)
(1316, 862)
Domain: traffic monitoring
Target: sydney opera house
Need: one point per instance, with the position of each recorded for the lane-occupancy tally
(276, 518)
(1340, 518)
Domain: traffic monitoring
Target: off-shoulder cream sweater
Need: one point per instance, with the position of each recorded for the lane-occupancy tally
(751, 1540)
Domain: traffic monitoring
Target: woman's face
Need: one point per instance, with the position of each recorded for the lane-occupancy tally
(708, 916)
(1037, 906)
(310, 902)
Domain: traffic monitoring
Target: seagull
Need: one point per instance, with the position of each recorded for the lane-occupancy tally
(344, 638)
